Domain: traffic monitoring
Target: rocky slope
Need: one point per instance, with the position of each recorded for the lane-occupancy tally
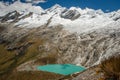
(33, 36)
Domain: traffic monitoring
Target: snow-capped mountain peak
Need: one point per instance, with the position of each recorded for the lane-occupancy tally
(73, 19)
(74, 35)
(55, 9)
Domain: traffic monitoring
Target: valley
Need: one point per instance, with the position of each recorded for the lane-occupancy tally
(35, 37)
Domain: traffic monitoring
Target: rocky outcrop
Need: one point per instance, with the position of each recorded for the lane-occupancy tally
(84, 49)
(115, 15)
(70, 14)
(14, 17)
(10, 16)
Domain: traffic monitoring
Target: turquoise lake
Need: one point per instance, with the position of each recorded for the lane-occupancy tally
(64, 69)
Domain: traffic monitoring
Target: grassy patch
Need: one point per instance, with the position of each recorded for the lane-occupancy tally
(111, 68)
(46, 60)
(31, 52)
(6, 58)
(9, 60)
(32, 75)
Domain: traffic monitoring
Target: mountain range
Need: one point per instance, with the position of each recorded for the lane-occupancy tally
(31, 36)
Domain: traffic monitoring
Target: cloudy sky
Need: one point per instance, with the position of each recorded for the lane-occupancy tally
(105, 5)
(28, 1)
(35, 1)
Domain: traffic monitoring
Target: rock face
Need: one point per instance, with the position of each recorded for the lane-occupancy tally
(115, 15)
(84, 49)
(63, 12)
(70, 14)
(14, 17)
(11, 16)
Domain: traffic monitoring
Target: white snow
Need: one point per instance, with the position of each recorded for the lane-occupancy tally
(89, 20)
(35, 20)
(2, 5)
(82, 24)
(20, 7)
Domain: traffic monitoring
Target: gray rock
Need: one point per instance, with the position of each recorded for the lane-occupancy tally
(70, 14)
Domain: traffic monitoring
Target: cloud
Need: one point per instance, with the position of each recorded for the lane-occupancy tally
(35, 1)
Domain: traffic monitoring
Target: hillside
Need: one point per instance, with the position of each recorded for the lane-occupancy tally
(31, 36)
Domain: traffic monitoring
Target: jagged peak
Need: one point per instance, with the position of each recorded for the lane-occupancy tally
(88, 11)
(56, 9)
(57, 6)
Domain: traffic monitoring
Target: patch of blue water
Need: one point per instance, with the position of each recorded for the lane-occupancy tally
(64, 69)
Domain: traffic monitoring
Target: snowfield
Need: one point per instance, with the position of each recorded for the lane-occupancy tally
(89, 19)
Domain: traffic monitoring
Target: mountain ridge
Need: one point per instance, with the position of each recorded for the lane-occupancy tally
(91, 19)
(31, 36)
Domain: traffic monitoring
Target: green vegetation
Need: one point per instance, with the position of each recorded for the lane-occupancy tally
(9, 60)
(31, 52)
(31, 75)
(6, 59)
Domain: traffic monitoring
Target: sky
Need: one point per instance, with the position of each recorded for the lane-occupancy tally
(105, 5)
